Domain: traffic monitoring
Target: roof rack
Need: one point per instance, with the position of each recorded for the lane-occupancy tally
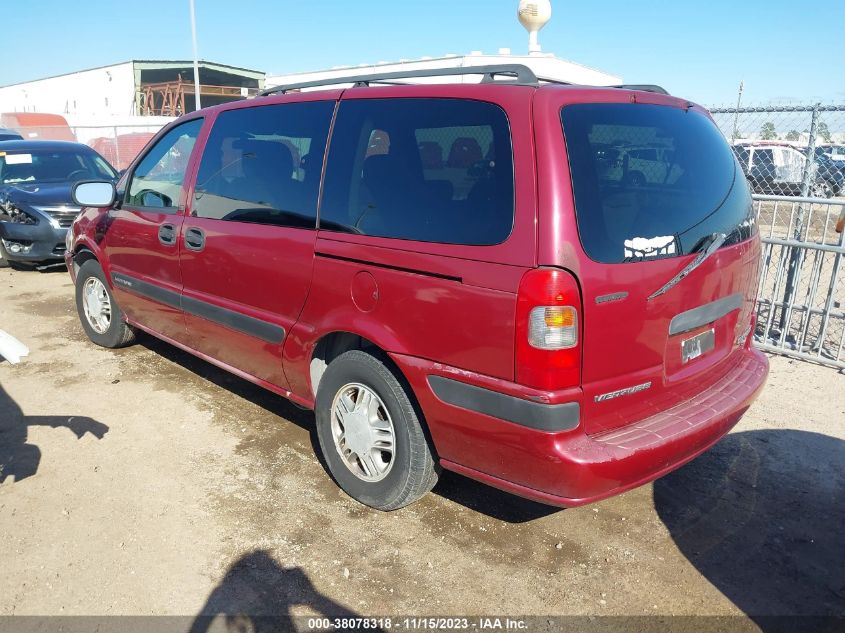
(521, 74)
(518, 74)
(643, 87)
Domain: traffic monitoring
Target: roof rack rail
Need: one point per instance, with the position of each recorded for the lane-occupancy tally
(521, 74)
(644, 88)
(558, 82)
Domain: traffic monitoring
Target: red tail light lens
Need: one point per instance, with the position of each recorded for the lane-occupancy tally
(548, 337)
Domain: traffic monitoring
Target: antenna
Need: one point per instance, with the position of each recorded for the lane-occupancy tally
(533, 15)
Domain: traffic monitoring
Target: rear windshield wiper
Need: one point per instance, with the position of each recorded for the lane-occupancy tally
(709, 245)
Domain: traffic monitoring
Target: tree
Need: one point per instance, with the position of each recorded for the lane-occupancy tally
(823, 131)
(767, 132)
(793, 135)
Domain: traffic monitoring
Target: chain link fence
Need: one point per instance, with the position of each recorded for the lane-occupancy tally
(789, 150)
(794, 159)
(118, 144)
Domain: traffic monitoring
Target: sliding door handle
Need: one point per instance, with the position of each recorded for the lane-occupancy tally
(194, 239)
(167, 234)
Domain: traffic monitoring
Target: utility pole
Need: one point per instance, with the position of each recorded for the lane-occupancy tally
(197, 105)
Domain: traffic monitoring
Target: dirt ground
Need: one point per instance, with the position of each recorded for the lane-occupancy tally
(145, 481)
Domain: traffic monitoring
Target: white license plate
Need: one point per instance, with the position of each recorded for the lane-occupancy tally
(697, 345)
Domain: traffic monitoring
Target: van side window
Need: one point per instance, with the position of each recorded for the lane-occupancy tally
(430, 170)
(157, 180)
(262, 165)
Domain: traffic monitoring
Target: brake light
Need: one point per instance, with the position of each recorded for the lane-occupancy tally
(548, 351)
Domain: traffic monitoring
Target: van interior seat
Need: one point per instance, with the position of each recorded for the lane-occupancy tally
(431, 154)
(268, 175)
(395, 198)
(465, 152)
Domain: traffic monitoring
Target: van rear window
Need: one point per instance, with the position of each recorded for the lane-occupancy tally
(652, 181)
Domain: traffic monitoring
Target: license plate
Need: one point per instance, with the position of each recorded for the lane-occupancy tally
(697, 345)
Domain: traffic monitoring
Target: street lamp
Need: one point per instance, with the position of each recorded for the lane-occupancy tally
(197, 105)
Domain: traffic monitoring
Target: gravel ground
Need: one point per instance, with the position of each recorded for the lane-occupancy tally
(145, 481)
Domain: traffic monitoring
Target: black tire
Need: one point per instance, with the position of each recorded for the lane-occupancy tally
(4, 259)
(118, 333)
(413, 471)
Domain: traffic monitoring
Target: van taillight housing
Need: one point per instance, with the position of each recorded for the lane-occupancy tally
(548, 330)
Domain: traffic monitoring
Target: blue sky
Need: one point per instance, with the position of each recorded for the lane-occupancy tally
(697, 50)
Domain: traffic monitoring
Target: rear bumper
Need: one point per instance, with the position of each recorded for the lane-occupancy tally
(47, 242)
(570, 467)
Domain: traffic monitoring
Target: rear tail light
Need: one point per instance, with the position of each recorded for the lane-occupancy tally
(553, 327)
(548, 350)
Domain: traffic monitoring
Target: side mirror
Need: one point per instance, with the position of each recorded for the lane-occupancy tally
(154, 199)
(93, 194)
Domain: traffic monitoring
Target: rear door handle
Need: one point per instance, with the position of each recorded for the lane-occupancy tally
(194, 239)
(167, 234)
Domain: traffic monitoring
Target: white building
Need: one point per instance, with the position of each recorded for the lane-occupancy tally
(545, 66)
(137, 87)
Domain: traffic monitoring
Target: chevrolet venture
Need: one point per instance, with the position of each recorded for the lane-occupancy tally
(460, 276)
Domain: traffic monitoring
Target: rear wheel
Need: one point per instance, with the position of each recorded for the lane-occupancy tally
(821, 189)
(99, 313)
(636, 179)
(370, 435)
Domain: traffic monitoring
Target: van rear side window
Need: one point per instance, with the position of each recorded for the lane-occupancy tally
(431, 170)
(652, 181)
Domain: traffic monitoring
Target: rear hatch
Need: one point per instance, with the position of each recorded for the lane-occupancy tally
(669, 257)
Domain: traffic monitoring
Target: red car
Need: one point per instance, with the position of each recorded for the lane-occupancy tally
(458, 276)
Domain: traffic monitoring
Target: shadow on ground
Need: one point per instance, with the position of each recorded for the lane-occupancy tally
(51, 267)
(257, 595)
(490, 501)
(267, 400)
(19, 459)
(762, 517)
(456, 488)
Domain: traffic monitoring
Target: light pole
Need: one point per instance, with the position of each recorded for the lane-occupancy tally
(197, 105)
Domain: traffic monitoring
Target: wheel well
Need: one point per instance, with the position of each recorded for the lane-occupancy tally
(333, 345)
(82, 255)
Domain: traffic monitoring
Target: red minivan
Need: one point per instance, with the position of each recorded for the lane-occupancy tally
(548, 288)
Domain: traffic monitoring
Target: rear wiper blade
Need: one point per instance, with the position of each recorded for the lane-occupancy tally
(715, 241)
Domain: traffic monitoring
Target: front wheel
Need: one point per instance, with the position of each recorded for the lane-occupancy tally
(99, 313)
(370, 435)
(4, 259)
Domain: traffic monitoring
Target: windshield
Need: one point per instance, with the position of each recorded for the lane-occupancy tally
(51, 166)
(652, 181)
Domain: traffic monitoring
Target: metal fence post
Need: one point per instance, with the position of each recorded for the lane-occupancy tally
(806, 183)
(810, 165)
(116, 147)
